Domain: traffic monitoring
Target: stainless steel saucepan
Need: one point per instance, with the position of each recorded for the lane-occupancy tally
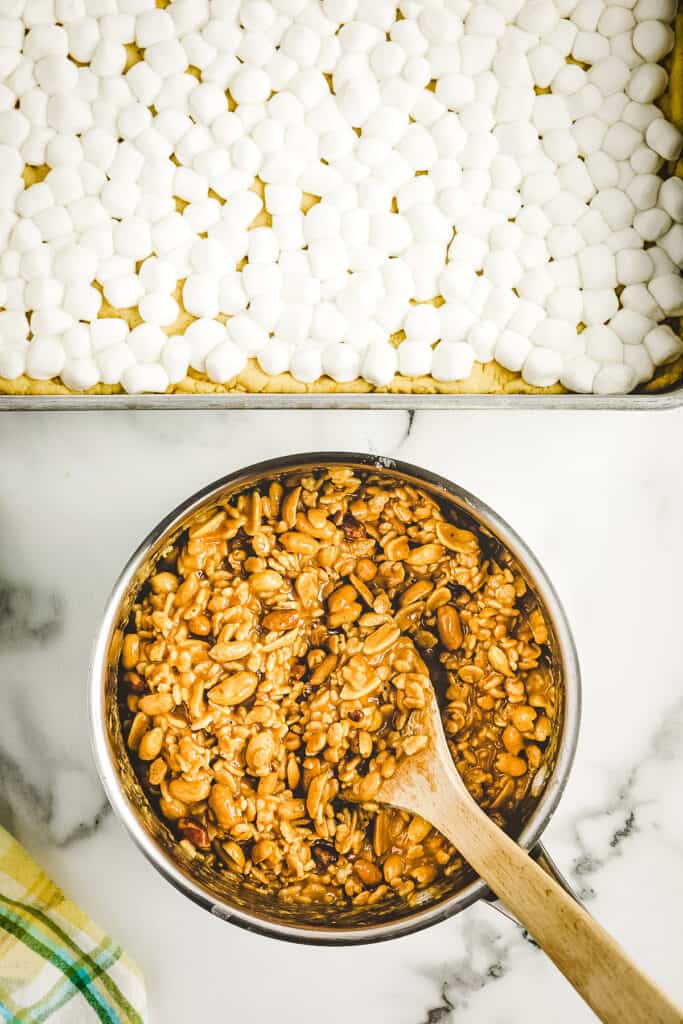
(228, 896)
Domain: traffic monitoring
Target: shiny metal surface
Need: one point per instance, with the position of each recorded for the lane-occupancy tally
(85, 403)
(227, 896)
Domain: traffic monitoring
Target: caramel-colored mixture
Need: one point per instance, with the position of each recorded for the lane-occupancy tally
(276, 657)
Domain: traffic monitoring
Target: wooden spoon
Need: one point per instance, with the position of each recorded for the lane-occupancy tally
(429, 785)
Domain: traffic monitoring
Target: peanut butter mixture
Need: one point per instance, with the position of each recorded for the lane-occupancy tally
(275, 659)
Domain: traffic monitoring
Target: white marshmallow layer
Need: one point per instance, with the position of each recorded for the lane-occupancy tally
(438, 169)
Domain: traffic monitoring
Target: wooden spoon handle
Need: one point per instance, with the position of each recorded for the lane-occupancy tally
(597, 967)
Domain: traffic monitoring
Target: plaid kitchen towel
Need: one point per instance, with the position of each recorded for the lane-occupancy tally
(55, 964)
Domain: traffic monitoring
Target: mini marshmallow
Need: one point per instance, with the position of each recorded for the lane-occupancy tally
(589, 133)
(109, 58)
(340, 362)
(615, 20)
(157, 275)
(560, 145)
(621, 45)
(565, 208)
(483, 338)
(633, 266)
(414, 359)
(266, 310)
(563, 241)
(328, 257)
(590, 47)
(274, 358)
(76, 342)
(532, 252)
(120, 198)
(616, 208)
(542, 367)
(536, 284)
(13, 327)
(670, 198)
(423, 324)
(51, 321)
(261, 278)
(43, 293)
(328, 325)
(569, 80)
(638, 359)
(12, 363)
(597, 267)
(202, 336)
(452, 361)
(249, 335)
(113, 361)
(598, 305)
(454, 90)
(306, 365)
(250, 85)
(79, 374)
(502, 268)
(455, 320)
(664, 138)
(663, 346)
(651, 224)
(39, 41)
(579, 373)
(380, 363)
(575, 178)
(152, 26)
(44, 358)
(565, 304)
(667, 291)
(56, 74)
(200, 295)
(175, 358)
(556, 334)
(638, 297)
(614, 379)
(526, 317)
(631, 326)
(141, 377)
(132, 238)
(640, 115)
(653, 40)
(262, 246)
(106, 332)
(123, 292)
(603, 344)
(647, 83)
(610, 75)
(166, 57)
(158, 308)
(603, 170)
(621, 141)
(587, 101)
(294, 323)
(663, 10)
(207, 102)
(512, 350)
(544, 62)
(644, 189)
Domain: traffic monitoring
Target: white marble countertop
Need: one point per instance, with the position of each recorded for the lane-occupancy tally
(599, 497)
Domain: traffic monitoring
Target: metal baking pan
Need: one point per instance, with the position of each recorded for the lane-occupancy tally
(637, 401)
(670, 396)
